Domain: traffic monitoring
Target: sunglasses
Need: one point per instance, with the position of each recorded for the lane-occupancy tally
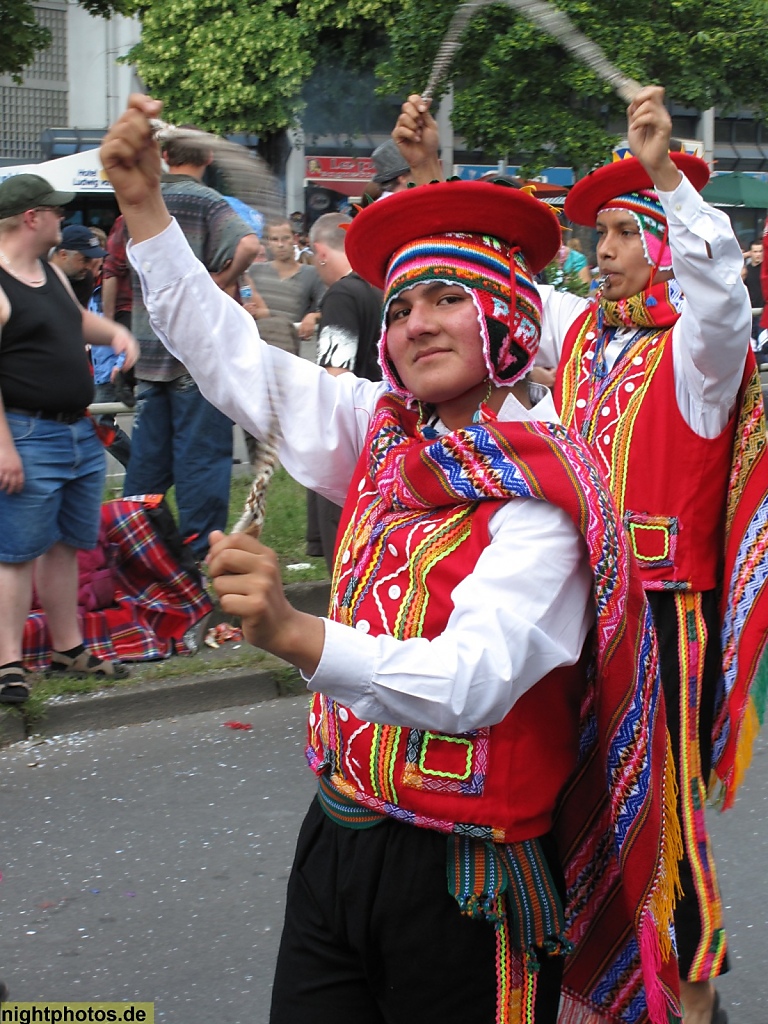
(57, 210)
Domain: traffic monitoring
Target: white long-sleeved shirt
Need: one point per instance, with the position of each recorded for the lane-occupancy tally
(711, 338)
(523, 611)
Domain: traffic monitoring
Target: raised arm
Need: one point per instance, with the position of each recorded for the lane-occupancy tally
(131, 159)
(649, 130)
(417, 137)
(711, 339)
(247, 249)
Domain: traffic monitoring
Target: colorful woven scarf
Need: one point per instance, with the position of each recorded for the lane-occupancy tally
(657, 306)
(512, 887)
(648, 214)
(619, 842)
(743, 690)
(481, 265)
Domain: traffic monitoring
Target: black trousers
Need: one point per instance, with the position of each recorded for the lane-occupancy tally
(372, 935)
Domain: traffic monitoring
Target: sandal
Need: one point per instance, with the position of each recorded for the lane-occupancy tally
(86, 664)
(14, 688)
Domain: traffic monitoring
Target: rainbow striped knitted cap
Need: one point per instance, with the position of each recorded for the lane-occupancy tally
(481, 265)
(648, 213)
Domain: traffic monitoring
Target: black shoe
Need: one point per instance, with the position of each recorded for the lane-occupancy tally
(123, 390)
(3, 992)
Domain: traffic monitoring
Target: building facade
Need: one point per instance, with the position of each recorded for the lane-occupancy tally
(72, 90)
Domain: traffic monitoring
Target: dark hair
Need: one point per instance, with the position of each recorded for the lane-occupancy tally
(186, 149)
(372, 190)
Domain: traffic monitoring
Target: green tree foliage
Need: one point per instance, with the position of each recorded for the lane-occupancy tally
(21, 38)
(253, 65)
(238, 65)
(518, 92)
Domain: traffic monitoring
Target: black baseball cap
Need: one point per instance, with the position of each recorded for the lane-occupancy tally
(81, 239)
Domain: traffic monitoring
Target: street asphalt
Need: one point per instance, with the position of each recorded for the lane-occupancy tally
(148, 861)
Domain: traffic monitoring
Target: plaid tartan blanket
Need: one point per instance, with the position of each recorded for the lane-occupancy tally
(159, 593)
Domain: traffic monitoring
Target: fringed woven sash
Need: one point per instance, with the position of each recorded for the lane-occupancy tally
(510, 886)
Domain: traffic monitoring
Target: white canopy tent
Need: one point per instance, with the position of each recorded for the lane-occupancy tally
(79, 173)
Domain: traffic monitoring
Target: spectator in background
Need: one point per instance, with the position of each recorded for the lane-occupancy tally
(350, 325)
(79, 256)
(569, 272)
(51, 461)
(97, 262)
(303, 248)
(108, 378)
(178, 437)
(286, 293)
(392, 170)
(116, 288)
(116, 303)
(371, 191)
(290, 290)
(764, 282)
(751, 273)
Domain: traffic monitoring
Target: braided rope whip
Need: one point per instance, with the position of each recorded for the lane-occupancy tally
(242, 174)
(550, 20)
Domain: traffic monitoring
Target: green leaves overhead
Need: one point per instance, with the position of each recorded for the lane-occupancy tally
(517, 92)
(227, 65)
(241, 65)
(22, 38)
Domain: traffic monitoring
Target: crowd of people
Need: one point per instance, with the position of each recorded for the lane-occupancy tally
(548, 604)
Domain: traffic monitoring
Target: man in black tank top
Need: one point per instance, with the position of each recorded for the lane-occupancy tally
(51, 461)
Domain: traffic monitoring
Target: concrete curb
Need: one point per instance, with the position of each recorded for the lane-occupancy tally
(106, 709)
(206, 688)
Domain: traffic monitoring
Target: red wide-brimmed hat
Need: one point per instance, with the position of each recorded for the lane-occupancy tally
(595, 191)
(449, 207)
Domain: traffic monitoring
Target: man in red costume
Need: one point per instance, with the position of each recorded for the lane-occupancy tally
(494, 780)
(658, 376)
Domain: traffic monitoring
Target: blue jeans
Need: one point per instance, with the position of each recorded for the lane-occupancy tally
(180, 438)
(64, 470)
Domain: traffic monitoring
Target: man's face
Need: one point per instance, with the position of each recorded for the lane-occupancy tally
(47, 225)
(756, 254)
(73, 263)
(433, 340)
(620, 255)
(280, 242)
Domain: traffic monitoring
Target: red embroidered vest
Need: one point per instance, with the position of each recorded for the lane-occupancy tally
(499, 783)
(669, 483)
